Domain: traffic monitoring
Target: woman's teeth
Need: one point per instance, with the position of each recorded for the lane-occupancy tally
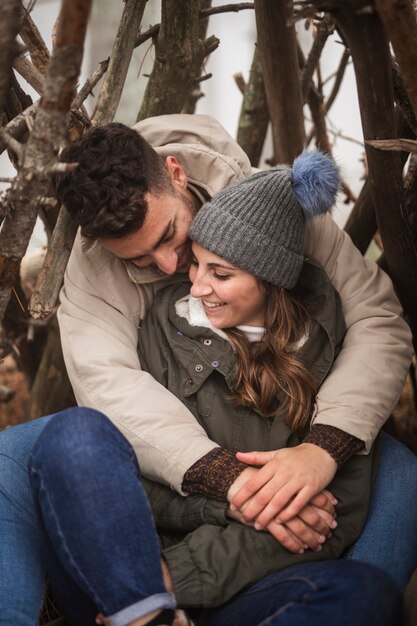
(212, 305)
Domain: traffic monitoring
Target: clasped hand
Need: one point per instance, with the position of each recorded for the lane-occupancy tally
(286, 496)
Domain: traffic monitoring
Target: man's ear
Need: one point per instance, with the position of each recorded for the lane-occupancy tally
(176, 173)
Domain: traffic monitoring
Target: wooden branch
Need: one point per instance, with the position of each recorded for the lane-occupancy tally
(316, 106)
(240, 82)
(124, 44)
(41, 150)
(30, 73)
(44, 299)
(399, 19)
(371, 57)
(9, 27)
(210, 45)
(179, 54)
(226, 8)
(402, 100)
(278, 55)
(409, 145)
(90, 83)
(338, 80)
(254, 116)
(195, 94)
(361, 224)
(45, 295)
(153, 31)
(17, 127)
(324, 29)
(12, 144)
(318, 115)
(34, 42)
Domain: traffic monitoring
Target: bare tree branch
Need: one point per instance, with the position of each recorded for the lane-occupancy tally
(90, 83)
(12, 144)
(226, 8)
(45, 295)
(409, 145)
(368, 45)
(338, 80)
(240, 82)
(41, 150)
(278, 54)
(400, 23)
(178, 59)
(196, 93)
(153, 31)
(18, 125)
(254, 116)
(361, 224)
(34, 42)
(124, 44)
(402, 100)
(29, 72)
(324, 29)
(9, 27)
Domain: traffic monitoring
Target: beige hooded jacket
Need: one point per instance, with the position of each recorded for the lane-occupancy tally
(104, 299)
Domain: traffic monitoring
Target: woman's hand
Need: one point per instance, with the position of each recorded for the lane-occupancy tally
(310, 529)
(289, 479)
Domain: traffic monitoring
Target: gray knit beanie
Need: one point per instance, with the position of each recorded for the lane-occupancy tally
(258, 224)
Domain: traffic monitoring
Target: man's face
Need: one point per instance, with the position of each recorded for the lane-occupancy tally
(162, 239)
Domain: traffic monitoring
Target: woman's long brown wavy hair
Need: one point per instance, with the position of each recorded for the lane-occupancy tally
(270, 377)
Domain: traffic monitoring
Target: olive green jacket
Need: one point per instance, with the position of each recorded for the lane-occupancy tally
(209, 556)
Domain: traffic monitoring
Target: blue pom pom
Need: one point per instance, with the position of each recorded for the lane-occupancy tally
(315, 182)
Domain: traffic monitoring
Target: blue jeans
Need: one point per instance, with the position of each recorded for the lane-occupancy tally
(314, 594)
(95, 512)
(21, 567)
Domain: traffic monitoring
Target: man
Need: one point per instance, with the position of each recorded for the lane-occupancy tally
(134, 209)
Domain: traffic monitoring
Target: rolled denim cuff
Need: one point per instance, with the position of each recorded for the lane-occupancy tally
(156, 602)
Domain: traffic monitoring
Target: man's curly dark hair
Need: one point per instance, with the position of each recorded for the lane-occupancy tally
(106, 192)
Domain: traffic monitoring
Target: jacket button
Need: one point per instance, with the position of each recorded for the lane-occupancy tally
(198, 368)
(190, 381)
(207, 342)
(214, 364)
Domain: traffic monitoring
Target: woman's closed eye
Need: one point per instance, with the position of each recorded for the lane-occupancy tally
(221, 276)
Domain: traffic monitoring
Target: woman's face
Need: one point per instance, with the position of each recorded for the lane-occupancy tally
(230, 296)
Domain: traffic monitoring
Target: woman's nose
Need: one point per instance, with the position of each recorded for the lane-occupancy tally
(200, 287)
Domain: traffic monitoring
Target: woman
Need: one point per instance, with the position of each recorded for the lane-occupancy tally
(246, 353)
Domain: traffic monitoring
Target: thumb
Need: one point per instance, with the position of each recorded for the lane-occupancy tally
(255, 458)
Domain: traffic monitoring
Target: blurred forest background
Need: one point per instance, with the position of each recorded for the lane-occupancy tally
(339, 75)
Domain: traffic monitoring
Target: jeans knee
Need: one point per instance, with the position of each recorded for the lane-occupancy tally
(362, 582)
(72, 439)
(398, 466)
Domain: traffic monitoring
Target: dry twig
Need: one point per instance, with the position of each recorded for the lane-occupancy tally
(41, 150)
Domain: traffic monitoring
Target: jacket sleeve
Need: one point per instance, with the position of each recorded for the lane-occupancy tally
(175, 513)
(368, 375)
(99, 342)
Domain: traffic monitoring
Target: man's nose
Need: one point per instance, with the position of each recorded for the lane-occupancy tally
(167, 261)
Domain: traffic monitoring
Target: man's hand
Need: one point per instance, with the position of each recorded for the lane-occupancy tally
(289, 479)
